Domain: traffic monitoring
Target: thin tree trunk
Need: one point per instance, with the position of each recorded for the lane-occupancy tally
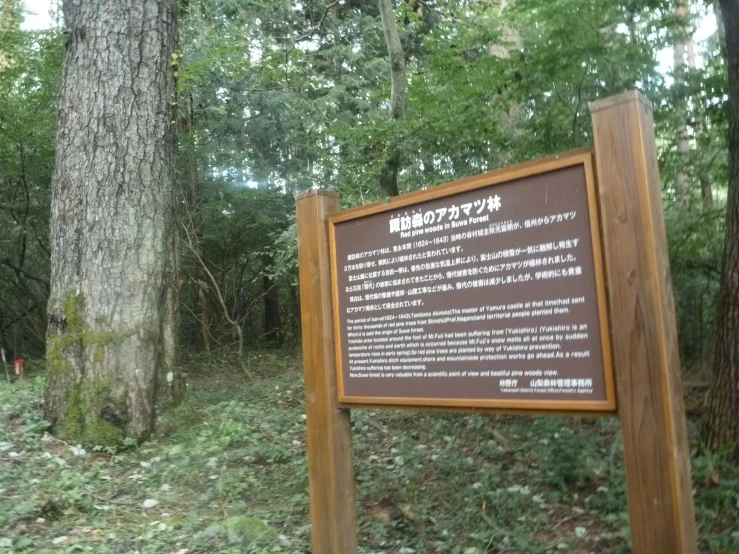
(192, 245)
(202, 302)
(295, 309)
(702, 171)
(706, 190)
(682, 181)
(719, 25)
(202, 309)
(722, 424)
(511, 118)
(272, 320)
(391, 167)
(194, 199)
(112, 221)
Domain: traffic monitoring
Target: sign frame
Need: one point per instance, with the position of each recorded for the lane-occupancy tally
(582, 157)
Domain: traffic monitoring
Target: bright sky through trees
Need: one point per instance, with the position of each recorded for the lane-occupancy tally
(38, 14)
(39, 17)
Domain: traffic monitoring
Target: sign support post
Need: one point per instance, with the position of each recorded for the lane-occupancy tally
(332, 497)
(645, 355)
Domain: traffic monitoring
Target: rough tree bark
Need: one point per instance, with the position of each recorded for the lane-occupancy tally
(722, 424)
(171, 385)
(111, 308)
(389, 171)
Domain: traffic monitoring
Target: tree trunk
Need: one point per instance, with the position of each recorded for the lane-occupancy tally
(702, 171)
(703, 177)
(295, 309)
(719, 25)
(202, 310)
(682, 182)
(113, 205)
(706, 190)
(195, 199)
(722, 425)
(171, 384)
(389, 171)
(272, 320)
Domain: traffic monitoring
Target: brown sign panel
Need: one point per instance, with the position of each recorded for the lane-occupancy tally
(485, 293)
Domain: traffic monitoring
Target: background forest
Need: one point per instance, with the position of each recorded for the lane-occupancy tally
(275, 97)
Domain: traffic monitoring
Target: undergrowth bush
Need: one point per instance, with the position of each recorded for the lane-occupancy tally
(228, 474)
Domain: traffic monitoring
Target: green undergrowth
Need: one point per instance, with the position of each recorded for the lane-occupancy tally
(227, 474)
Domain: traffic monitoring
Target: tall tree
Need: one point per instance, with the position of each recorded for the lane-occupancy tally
(389, 171)
(722, 426)
(682, 45)
(112, 222)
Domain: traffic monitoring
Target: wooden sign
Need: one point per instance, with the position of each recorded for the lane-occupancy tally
(491, 294)
(485, 293)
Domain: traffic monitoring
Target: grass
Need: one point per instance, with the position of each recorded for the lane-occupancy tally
(227, 474)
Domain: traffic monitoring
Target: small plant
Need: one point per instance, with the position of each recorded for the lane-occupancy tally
(569, 466)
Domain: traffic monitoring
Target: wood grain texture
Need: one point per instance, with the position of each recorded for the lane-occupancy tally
(644, 335)
(333, 506)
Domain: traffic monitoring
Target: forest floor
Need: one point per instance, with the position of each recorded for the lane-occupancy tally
(227, 474)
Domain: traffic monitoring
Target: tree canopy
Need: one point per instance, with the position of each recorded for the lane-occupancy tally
(277, 97)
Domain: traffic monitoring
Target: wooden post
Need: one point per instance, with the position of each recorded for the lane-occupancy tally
(333, 509)
(646, 361)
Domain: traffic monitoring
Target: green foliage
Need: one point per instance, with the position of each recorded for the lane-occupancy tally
(228, 474)
(277, 97)
(30, 64)
(570, 468)
(244, 530)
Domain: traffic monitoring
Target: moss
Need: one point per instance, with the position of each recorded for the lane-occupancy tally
(98, 355)
(57, 355)
(99, 432)
(81, 420)
(94, 432)
(56, 361)
(77, 334)
(73, 307)
(71, 421)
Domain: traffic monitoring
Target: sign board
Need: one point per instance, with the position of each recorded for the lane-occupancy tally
(489, 294)
(484, 293)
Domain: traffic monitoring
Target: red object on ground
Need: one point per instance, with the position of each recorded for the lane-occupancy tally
(20, 368)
